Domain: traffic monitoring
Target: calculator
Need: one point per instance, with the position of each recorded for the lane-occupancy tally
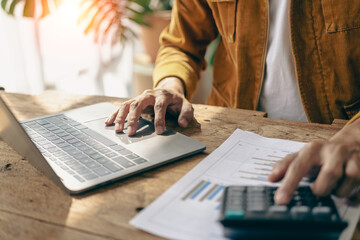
(249, 212)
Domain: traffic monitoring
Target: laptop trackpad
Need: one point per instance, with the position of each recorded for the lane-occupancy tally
(144, 131)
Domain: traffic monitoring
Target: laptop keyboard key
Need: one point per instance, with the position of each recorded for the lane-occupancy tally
(84, 148)
(123, 162)
(62, 134)
(111, 155)
(124, 152)
(83, 171)
(92, 165)
(140, 160)
(79, 178)
(90, 152)
(42, 122)
(112, 167)
(96, 156)
(98, 137)
(90, 176)
(102, 160)
(132, 156)
(117, 148)
(86, 160)
(101, 171)
(73, 140)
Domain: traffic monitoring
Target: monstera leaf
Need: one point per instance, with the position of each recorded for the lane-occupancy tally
(32, 8)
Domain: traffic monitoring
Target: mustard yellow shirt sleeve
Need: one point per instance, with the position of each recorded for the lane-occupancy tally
(184, 42)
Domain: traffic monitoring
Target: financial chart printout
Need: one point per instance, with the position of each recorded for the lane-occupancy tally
(190, 208)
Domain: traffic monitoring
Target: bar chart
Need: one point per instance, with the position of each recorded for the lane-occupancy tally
(205, 192)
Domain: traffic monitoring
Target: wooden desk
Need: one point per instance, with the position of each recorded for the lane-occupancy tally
(32, 207)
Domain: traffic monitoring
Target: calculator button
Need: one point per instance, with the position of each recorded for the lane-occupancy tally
(239, 189)
(256, 189)
(299, 212)
(234, 213)
(321, 211)
(256, 208)
(276, 209)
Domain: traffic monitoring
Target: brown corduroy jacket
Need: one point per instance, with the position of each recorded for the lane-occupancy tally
(325, 40)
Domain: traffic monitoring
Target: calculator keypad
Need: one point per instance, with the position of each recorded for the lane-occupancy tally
(257, 202)
(249, 212)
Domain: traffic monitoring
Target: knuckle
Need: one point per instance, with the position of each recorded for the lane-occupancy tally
(299, 164)
(148, 92)
(313, 146)
(162, 91)
(340, 148)
(318, 191)
(353, 174)
(332, 173)
(119, 118)
(159, 105)
(159, 122)
(132, 120)
(134, 104)
(122, 107)
(188, 108)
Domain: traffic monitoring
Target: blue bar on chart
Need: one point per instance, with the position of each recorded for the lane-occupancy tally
(216, 192)
(198, 191)
(206, 189)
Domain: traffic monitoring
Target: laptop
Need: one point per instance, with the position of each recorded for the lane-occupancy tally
(77, 151)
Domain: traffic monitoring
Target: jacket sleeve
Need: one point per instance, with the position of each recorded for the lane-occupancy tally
(353, 119)
(184, 42)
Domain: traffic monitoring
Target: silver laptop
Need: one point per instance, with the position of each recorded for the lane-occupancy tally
(78, 152)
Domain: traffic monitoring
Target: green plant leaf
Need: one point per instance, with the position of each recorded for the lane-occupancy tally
(3, 4)
(13, 5)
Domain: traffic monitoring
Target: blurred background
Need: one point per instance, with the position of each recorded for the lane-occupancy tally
(101, 47)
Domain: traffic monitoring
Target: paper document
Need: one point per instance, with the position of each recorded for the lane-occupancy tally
(190, 208)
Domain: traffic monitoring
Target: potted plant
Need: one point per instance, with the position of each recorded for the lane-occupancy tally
(113, 18)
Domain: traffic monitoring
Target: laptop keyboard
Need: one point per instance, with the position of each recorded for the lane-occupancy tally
(78, 150)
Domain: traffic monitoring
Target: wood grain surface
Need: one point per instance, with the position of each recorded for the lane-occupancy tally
(32, 207)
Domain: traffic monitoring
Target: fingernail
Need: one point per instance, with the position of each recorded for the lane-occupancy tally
(183, 122)
(281, 197)
(130, 130)
(159, 129)
(107, 120)
(274, 171)
(117, 127)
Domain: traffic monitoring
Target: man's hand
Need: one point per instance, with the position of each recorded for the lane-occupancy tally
(337, 162)
(168, 96)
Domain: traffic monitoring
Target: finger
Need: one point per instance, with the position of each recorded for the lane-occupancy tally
(160, 107)
(352, 177)
(121, 116)
(135, 110)
(186, 114)
(112, 117)
(280, 167)
(331, 172)
(298, 168)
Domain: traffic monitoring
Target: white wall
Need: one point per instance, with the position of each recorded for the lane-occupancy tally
(20, 70)
(71, 61)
